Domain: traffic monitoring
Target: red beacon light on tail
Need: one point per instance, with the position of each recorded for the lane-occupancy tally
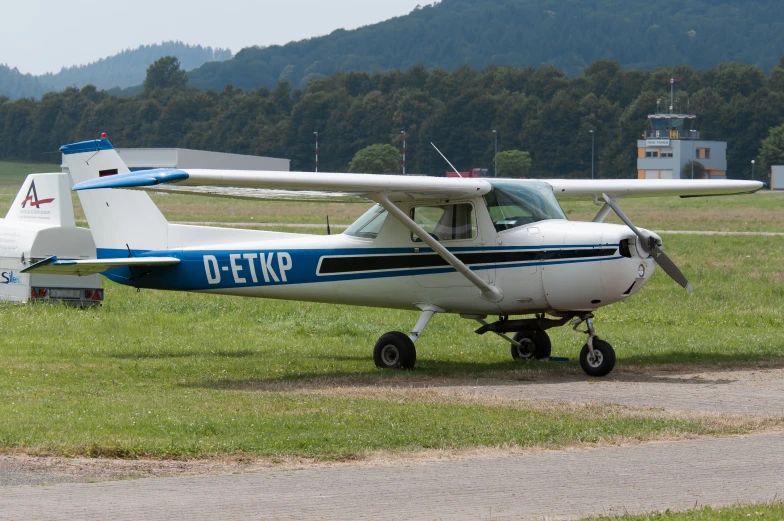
(104, 135)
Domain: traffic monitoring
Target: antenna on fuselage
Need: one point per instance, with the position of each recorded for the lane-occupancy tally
(445, 159)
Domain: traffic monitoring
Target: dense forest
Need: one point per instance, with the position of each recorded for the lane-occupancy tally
(14, 84)
(125, 69)
(639, 34)
(541, 111)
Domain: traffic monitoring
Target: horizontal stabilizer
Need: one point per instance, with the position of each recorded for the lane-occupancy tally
(52, 266)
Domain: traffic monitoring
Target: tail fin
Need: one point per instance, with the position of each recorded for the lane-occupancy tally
(44, 199)
(119, 219)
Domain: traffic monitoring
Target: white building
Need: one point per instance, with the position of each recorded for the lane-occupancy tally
(669, 146)
(144, 158)
(777, 177)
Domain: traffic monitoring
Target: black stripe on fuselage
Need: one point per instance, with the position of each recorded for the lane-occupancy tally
(360, 263)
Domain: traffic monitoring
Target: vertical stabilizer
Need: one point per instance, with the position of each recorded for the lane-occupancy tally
(119, 219)
(44, 199)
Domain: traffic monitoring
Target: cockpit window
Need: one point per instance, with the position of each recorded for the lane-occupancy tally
(369, 224)
(448, 222)
(512, 205)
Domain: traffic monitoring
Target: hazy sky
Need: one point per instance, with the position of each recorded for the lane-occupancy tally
(40, 36)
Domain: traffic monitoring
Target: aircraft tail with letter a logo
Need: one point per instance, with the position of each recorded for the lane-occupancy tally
(43, 199)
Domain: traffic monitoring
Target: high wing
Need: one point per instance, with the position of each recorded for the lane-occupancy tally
(395, 187)
(53, 266)
(337, 186)
(622, 188)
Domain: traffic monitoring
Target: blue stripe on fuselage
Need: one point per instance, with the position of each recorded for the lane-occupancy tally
(212, 269)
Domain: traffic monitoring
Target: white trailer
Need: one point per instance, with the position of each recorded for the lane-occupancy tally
(40, 224)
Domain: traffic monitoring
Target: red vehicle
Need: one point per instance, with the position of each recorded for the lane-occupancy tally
(475, 172)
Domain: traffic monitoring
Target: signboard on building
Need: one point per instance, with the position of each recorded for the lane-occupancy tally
(657, 142)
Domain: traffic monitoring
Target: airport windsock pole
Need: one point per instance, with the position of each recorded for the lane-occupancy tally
(316, 151)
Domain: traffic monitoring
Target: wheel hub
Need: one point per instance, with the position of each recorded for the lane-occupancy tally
(526, 348)
(595, 359)
(390, 355)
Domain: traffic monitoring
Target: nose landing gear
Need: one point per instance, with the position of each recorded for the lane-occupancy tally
(597, 357)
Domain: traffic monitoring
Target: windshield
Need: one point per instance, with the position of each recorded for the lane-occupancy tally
(516, 204)
(369, 224)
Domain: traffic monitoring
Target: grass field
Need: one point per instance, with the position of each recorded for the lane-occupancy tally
(12, 174)
(175, 375)
(767, 511)
(188, 375)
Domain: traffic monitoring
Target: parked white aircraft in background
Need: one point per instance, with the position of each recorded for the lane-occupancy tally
(477, 247)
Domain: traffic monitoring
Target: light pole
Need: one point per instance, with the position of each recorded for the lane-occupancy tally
(593, 142)
(752, 169)
(495, 155)
(316, 134)
(693, 151)
(404, 151)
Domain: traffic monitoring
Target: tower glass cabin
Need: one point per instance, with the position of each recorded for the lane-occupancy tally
(673, 149)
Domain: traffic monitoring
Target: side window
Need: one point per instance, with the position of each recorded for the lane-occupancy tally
(448, 222)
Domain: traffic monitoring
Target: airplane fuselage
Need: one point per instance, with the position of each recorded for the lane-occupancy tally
(548, 266)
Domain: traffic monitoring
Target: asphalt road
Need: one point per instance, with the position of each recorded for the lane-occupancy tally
(552, 485)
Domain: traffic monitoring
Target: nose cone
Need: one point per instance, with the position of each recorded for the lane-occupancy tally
(587, 270)
(633, 267)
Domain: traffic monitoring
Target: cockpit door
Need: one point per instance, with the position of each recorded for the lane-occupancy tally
(455, 226)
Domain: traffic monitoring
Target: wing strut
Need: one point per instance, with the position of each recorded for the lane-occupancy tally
(491, 293)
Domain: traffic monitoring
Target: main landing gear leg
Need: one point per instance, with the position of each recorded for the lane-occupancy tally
(597, 357)
(395, 350)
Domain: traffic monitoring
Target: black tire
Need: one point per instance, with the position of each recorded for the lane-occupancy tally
(605, 358)
(394, 350)
(536, 345)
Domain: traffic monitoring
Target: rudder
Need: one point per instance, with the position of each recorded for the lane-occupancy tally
(119, 219)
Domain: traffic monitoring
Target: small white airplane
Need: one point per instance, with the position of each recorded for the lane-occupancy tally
(475, 247)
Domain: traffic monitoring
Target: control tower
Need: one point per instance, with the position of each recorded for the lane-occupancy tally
(671, 143)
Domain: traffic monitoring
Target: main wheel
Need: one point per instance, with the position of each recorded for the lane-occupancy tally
(394, 350)
(603, 360)
(534, 345)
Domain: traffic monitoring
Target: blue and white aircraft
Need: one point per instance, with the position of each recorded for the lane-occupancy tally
(474, 247)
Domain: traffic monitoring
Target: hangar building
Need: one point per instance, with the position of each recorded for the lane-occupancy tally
(777, 177)
(146, 158)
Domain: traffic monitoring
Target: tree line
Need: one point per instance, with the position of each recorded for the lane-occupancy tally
(538, 110)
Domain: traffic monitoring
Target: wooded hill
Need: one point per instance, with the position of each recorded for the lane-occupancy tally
(639, 34)
(125, 69)
(538, 110)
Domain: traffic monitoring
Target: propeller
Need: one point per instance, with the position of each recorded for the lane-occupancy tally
(652, 246)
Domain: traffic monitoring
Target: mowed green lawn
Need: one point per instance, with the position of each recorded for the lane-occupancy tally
(13, 173)
(179, 375)
(187, 375)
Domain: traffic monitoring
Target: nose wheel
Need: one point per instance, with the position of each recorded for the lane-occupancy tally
(597, 357)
